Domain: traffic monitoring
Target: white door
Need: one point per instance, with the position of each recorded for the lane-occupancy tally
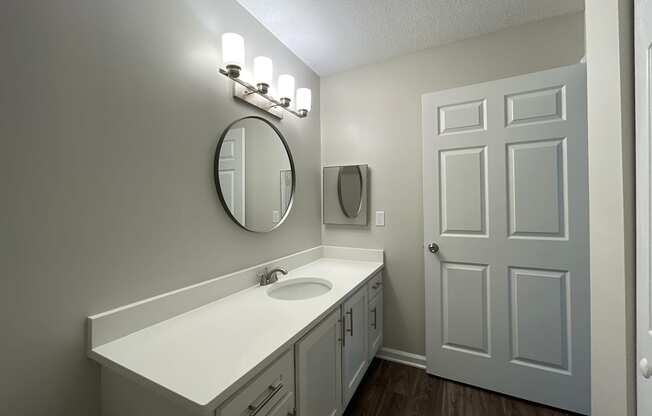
(232, 172)
(319, 369)
(644, 210)
(355, 357)
(375, 324)
(505, 191)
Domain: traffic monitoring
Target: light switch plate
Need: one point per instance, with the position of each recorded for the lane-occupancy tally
(276, 216)
(380, 218)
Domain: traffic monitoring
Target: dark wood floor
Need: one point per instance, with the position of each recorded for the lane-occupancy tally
(391, 389)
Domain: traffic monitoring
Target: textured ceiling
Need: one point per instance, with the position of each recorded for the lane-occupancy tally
(335, 35)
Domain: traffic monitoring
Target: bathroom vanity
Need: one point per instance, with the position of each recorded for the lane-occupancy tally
(229, 347)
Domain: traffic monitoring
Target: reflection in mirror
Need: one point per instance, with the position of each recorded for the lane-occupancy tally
(349, 188)
(345, 195)
(254, 174)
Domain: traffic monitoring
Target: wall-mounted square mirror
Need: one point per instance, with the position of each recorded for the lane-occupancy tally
(345, 195)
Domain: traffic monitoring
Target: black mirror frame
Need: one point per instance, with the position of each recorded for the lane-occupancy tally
(217, 179)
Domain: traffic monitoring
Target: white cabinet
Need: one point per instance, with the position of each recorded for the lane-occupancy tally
(318, 357)
(316, 377)
(260, 397)
(355, 358)
(269, 393)
(375, 324)
(375, 285)
(284, 408)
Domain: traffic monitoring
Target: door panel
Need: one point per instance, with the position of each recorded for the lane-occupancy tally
(539, 318)
(463, 191)
(529, 107)
(506, 199)
(465, 308)
(462, 117)
(643, 57)
(537, 189)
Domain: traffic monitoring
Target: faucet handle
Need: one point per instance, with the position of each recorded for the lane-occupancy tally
(262, 275)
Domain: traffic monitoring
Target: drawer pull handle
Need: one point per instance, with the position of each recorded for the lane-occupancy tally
(350, 313)
(253, 410)
(375, 318)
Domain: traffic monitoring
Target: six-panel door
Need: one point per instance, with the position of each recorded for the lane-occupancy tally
(506, 199)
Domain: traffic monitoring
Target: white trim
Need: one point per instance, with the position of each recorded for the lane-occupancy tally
(643, 93)
(352, 253)
(402, 357)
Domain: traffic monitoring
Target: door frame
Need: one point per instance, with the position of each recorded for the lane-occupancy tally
(643, 95)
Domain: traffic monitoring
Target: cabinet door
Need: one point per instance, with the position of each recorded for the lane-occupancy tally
(319, 369)
(375, 324)
(355, 356)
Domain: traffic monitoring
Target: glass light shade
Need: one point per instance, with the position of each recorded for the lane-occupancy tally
(233, 52)
(304, 99)
(263, 70)
(286, 86)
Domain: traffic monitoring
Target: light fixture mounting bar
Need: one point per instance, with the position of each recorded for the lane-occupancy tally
(242, 93)
(253, 96)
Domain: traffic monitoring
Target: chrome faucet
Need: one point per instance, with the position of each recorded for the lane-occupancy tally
(268, 277)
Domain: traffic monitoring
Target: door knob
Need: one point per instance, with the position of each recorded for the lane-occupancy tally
(433, 248)
(646, 370)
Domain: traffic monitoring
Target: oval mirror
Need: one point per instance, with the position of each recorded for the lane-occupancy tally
(349, 188)
(254, 174)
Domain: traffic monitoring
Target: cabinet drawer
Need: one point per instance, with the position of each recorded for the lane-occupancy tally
(285, 407)
(262, 394)
(375, 285)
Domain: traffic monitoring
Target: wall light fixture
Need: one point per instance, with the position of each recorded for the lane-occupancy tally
(233, 57)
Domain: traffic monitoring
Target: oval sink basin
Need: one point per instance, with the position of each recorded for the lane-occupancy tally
(300, 288)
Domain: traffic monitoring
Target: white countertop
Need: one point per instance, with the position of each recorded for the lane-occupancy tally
(200, 355)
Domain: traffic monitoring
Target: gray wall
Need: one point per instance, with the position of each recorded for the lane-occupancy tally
(264, 161)
(372, 115)
(109, 116)
(610, 82)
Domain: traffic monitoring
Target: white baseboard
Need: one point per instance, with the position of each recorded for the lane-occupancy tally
(402, 357)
